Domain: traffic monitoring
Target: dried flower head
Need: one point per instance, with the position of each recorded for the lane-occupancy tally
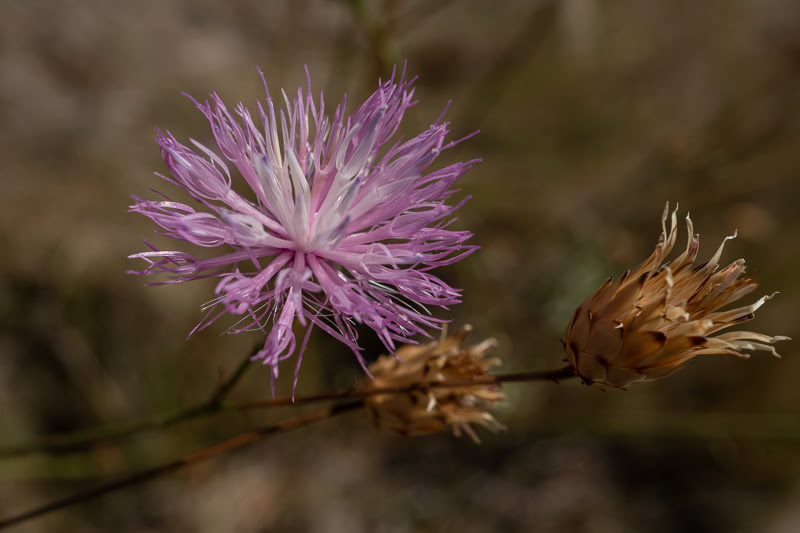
(653, 320)
(341, 222)
(424, 410)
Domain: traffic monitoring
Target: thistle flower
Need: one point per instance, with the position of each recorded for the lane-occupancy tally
(653, 320)
(430, 410)
(339, 223)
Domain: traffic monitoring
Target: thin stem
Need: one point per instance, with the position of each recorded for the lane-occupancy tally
(88, 437)
(376, 24)
(353, 394)
(201, 455)
(555, 376)
(355, 400)
(227, 386)
(215, 405)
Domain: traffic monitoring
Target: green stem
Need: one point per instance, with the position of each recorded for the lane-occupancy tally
(88, 437)
(227, 386)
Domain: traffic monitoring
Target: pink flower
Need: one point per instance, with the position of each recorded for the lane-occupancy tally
(339, 225)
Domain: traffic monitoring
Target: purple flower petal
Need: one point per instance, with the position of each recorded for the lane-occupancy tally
(338, 227)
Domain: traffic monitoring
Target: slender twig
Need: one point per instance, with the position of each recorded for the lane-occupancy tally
(81, 439)
(376, 25)
(201, 455)
(353, 394)
(227, 386)
(507, 63)
(78, 440)
(215, 405)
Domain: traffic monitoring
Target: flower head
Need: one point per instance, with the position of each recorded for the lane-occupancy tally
(340, 222)
(653, 320)
(430, 410)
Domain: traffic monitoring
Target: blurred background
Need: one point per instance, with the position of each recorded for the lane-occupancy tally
(592, 115)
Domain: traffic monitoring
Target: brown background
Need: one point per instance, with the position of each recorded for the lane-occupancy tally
(592, 115)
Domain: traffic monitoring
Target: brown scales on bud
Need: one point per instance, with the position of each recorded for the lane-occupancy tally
(424, 409)
(653, 320)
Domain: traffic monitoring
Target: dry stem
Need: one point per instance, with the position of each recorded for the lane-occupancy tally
(215, 405)
(201, 455)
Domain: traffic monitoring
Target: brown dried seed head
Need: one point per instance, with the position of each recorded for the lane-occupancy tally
(653, 320)
(430, 410)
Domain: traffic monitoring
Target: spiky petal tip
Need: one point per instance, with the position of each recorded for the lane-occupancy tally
(341, 221)
(656, 318)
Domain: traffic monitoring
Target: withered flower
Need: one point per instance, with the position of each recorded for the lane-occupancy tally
(423, 410)
(653, 320)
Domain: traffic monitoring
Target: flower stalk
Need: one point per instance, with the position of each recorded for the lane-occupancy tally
(76, 441)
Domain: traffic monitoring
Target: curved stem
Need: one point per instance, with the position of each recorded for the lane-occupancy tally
(224, 388)
(80, 439)
(200, 455)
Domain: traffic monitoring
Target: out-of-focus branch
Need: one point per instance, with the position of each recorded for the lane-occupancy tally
(486, 90)
(81, 439)
(377, 27)
(201, 455)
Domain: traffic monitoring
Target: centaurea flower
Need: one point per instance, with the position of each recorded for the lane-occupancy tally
(341, 224)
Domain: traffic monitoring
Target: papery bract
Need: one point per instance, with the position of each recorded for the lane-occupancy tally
(652, 321)
(422, 409)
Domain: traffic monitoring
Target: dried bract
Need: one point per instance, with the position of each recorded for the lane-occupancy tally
(425, 410)
(653, 320)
